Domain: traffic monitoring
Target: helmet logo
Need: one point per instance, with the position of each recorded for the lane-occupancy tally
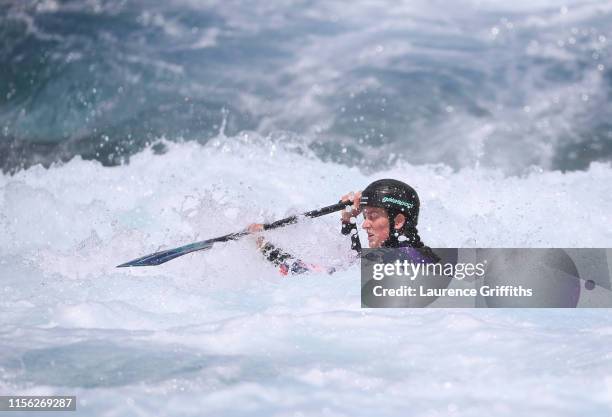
(396, 201)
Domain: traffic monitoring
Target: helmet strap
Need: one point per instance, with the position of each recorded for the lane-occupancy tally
(392, 241)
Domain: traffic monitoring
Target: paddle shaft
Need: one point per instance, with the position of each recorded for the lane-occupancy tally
(161, 257)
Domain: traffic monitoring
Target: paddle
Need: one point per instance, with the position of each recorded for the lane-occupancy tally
(161, 257)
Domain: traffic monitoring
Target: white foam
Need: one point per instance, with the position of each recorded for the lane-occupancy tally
(225, 325)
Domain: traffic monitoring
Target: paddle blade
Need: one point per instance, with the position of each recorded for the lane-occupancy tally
(158, 258)
(161, 257)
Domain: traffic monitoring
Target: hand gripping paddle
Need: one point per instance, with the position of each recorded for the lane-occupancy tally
(161, 257)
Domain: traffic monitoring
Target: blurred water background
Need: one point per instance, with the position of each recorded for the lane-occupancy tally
(508, 85)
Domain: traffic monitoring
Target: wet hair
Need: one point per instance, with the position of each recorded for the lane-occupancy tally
(411, 236)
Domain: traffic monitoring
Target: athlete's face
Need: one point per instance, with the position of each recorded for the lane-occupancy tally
(376, 225)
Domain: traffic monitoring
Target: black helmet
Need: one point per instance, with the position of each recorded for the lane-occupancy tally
(398, 198)
(394, 196)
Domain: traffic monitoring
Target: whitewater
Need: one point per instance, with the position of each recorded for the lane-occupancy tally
(510, 85)
(222, 333)
(128, 127)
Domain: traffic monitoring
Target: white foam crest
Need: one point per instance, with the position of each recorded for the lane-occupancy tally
(80, 219)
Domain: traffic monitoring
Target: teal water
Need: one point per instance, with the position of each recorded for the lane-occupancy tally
(506, 86)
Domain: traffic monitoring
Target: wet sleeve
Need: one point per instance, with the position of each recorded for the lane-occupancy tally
(286, 263)
(351, 229)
